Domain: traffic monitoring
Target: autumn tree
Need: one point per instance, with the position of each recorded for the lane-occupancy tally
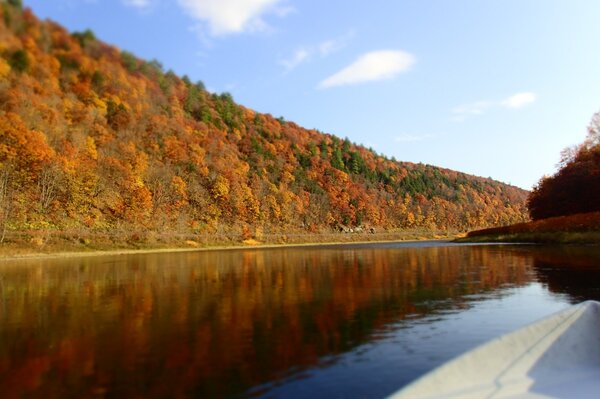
(6, 197)
(575, 187)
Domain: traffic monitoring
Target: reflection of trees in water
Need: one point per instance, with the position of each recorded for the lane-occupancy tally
(217, 323)
(574, 271)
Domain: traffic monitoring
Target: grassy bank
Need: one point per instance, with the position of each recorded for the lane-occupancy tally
(36, 244)
(582, 228)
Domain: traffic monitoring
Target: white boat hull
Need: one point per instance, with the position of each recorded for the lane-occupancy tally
(558, 357)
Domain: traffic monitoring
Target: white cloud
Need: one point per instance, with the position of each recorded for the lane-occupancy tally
(515, 101)
(137, 3)
(299, 57)
(519, 100)
(373, 66)
(231, 16)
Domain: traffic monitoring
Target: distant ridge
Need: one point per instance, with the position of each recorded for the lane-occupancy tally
(95, 140)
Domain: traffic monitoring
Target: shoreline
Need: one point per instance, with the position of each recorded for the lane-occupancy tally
(142, 251)
(557, 238)
(582, 228)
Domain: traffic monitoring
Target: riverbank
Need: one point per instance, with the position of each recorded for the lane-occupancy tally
(581, 228)
(33, 249)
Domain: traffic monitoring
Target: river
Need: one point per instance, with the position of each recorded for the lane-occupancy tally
(351, 321)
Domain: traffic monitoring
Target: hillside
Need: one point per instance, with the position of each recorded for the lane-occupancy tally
(96, 141)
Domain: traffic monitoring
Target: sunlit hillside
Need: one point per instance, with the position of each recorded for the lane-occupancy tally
(96, 141)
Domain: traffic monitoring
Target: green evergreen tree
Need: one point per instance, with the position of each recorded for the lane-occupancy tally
(16, 3)
(19, 61)
(336, 159)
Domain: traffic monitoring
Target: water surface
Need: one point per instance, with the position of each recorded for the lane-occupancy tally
(336, 322)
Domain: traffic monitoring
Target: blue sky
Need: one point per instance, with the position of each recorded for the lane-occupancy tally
(495, 88)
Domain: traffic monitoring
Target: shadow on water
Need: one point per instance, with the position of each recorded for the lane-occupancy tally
(216, 324)
(570, 270)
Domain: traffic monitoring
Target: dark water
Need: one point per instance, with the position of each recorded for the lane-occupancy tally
(336, 322)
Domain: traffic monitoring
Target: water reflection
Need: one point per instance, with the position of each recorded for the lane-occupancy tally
(574, 271)
(217, 324)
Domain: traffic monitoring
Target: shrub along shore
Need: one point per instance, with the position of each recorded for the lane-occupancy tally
(583, 228)
(36, 244)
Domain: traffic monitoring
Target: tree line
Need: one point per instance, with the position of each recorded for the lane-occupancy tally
(575, 187)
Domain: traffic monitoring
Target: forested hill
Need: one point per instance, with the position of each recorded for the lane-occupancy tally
(575, 187)
(94, 139)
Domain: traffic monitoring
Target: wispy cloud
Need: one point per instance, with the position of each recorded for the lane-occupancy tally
(330, 46)
(407, 138)
(283, 10)
(323, 49)
(477, 108)
(137, 3)
(372, 66)
(518, 100)
(300, 55)
(232, 16)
